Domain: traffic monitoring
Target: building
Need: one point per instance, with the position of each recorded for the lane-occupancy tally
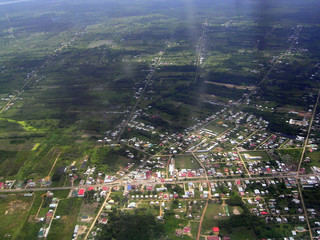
(81, 192)
(187, 230)
(216, 230)
(213, 238)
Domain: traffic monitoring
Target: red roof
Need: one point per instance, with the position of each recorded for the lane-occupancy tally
(215, 229)
(213, 238)
(264, 213)
(81, 192)
(1, 184)
(187, 230)
(91, 188)
(105, 188)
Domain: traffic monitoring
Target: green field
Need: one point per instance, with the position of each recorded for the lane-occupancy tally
(186, 162)
(217, 128)
(14, 211)
(211, 217)
(68, 210)
(263, 154)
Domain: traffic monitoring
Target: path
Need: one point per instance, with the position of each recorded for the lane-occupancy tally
(98, 214)
(54, 164)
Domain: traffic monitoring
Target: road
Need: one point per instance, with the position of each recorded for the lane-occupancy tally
(147, 182)
(34, 74)
(304, 209)
(148, 78)
(204, 25)
(308, 134)
(207, 202)
(98, 214)
(270, 70)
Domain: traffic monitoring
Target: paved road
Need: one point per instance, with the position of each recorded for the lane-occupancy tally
(147, 182)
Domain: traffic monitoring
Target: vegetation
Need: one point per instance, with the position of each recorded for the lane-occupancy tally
(133, 226)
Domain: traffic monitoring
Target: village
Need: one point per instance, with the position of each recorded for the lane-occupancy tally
(227, 164)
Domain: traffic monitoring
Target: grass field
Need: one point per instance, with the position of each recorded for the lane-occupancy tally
(314, 158)
(63, 228)
(217, 126)
(242, 234)
(13, 213)
(186, 162)
(264, 156)
(290, 154)
(211, 216)
(23, 124)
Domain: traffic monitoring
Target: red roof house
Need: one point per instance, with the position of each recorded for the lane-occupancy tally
(215, 229)
(213, 238)
(81, 192)
(187, 230)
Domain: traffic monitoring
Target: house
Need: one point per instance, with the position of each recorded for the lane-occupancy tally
(81, 192)
(215, 230)
(103, 221)
(213, 238)
(187, 230)
(161, 189)
(49, 215)
(91, 189)
(132, 205)
(43, 233)
(1, 185)
(76, 229)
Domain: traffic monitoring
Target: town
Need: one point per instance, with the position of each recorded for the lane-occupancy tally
(192, 120)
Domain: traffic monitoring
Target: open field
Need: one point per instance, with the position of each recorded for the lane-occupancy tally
(68, 210)
(14, 209)
(186, 162)
(262, 155)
